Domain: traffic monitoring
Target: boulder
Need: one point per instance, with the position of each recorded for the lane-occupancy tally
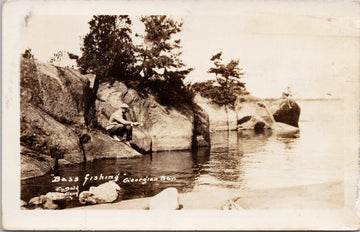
(218, 118)
(104, 193)
(286, 111)
(164, 128)
(251, 116)
(141, 141)
(37, 201)
(34, 164)
(87, 197)
(64, 163)
(102, 146)
(52, 200)
(60, 92)
(252, 123)
(201, 127)
(246, 106)
(168, 199)
(43, 134)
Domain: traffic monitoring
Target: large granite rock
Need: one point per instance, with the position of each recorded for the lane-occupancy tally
(286, 111)
(250, 115)
(52, 103)
(60, 92)
(53, 107)
(43, 134)
(102, 146)
(34, 164)
(164, 128)
(218, 118)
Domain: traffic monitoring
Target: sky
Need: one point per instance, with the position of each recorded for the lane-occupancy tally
(311, 47)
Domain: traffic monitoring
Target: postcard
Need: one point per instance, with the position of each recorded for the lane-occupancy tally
(122, 115)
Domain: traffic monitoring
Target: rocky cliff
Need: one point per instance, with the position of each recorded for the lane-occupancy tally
(55, 109)
(218, 117)
(247, 114)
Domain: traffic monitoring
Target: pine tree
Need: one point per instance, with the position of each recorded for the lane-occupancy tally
(107, 50)
(228, 82)
(160, 64)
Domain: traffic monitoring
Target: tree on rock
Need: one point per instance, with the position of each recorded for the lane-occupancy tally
(161, 67)
(228, 82)
(107, 50)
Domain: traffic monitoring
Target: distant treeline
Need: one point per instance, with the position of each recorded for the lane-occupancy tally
(308, 99)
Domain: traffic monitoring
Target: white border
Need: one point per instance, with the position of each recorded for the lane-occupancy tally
(13, 218)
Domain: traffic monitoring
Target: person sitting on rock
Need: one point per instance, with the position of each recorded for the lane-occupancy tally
(119, 125)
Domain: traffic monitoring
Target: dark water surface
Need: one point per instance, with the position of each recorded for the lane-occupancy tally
(235, 160)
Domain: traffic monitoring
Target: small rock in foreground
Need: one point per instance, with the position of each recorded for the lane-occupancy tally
(52, 200)
(104, 193)
(167, 199)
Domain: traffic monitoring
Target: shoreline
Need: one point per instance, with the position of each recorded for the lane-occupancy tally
(328, 195)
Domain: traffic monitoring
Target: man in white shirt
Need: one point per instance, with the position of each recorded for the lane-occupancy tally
(119, 125)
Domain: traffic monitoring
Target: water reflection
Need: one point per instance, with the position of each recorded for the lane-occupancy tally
(250, 141)
(224, 168)
(288, 141)
(183, 166)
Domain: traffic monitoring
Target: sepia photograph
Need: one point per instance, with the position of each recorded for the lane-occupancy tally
(238, 109)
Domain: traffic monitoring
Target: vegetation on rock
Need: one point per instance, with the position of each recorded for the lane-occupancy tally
(161, 70)
(227, 85)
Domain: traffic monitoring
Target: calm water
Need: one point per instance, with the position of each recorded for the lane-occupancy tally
(238, 161)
